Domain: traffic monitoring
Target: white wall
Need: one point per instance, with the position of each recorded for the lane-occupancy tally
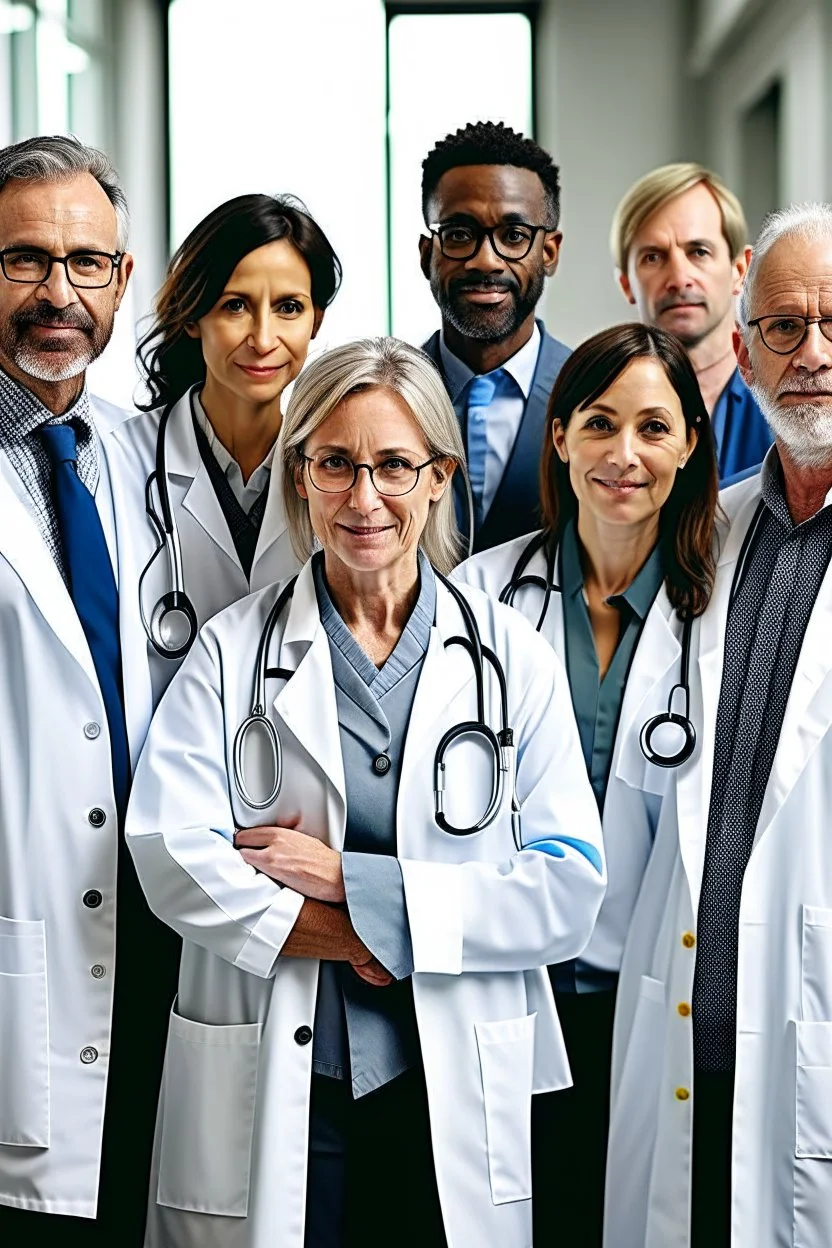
(611, 106)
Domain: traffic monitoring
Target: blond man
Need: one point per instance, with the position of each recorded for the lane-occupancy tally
(679, 244)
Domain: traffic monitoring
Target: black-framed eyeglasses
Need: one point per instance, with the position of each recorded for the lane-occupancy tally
(784, 334)
(394, 476)
(86, 270)
(461, 240)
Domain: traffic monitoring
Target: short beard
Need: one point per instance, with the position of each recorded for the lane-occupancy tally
(805, 429)
(48, 361)
(483, 323)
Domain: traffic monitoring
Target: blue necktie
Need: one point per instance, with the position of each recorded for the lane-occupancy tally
(93, 588)
(481, 391)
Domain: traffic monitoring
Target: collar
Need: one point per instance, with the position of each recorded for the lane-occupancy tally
(521, 366)
(22, 413)
(639, 594)
(225, 460)
(774, 495)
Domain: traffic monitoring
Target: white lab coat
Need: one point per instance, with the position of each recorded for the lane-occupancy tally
(484, 919)
(782, 1138)
(213, 575)
(56, 954)
(635, 786)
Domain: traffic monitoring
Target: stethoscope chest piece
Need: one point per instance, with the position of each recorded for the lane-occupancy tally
(255, 725)
(173, 624)
(669, 721)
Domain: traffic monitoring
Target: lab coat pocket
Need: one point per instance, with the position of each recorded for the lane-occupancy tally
(208, 1108)
(813, 1105)
(506, 1050)
(24, 1034)
(816, 965)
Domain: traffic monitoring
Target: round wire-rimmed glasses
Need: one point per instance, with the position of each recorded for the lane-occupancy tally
(85, 270)
(394, 476)
(784, 334)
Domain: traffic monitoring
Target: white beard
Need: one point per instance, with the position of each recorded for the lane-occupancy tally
(805, 429)
(47, 367)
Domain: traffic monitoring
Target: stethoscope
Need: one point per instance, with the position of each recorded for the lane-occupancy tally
(669, 718)
(500, 744)
(172, 625)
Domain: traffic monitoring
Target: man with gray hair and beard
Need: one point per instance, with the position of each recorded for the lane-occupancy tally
(721, 1128)
(87, 974)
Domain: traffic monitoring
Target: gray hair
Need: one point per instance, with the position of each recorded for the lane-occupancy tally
(327, 381)
(809, 222)
(56, 157)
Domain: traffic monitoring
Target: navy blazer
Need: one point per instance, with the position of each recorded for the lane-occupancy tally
(516, 506)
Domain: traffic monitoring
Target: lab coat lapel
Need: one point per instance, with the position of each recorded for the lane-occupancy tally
(274, 518)
(694, 779)
(187, 472)
(446, 674)
(808, 712)
(307, 703)
(22, 545)
(657, 655)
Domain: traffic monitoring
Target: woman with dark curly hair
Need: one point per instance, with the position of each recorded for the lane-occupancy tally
(243, 297)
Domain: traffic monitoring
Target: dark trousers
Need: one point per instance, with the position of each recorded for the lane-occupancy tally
(713, 1108)
(371, 1180)
(570, 1128)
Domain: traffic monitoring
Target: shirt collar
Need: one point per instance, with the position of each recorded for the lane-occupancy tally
(225, 460)
(774, 495)
(521, 366)
(22, 413)
(638, 595)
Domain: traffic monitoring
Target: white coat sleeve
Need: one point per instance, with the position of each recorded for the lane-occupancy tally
(180, 827)
(536, 906)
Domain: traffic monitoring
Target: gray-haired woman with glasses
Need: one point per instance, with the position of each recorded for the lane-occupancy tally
(363, 1013)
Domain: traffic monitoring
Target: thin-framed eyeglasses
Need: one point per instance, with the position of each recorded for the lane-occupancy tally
(86, 270)
(461, 240)
(394, 476)
(784, 334)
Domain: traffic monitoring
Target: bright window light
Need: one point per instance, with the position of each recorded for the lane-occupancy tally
(15, 18)
(442, 75)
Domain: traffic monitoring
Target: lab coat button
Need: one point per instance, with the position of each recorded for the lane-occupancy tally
(381, 764)
(683, 1008)
(97, 817)
(688, 940)
(92, 898)
(92, 730)
(682, 1094)
(89, 1055)
(98, 971)
(303, 1035)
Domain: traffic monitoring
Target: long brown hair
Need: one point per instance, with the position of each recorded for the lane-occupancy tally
(169, 358)
(686, 523)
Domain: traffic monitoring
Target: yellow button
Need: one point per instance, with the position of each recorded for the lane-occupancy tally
(682, 1094)
(688, 940)
(683, 1008)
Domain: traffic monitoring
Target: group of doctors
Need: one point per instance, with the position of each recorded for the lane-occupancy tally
(341, 876)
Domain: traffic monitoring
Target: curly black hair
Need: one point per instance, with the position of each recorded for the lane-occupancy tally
(490, 143)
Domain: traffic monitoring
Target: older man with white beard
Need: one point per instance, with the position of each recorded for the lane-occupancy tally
(721, 1127)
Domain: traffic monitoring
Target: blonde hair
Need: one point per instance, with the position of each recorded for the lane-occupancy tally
(659, 186)
(346, 370)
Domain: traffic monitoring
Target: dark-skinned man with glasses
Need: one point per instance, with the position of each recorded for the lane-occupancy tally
(491, 206)
(87, 974)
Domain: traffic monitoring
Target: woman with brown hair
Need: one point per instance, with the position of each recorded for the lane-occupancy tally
(625, 557)
(243, 297)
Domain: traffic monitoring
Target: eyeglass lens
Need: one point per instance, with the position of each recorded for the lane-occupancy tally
(461, 242)
(785, 333)
(85, 269)
(334, 473)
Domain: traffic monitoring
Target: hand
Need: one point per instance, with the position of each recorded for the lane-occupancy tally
(295, 859)
(372, 972)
